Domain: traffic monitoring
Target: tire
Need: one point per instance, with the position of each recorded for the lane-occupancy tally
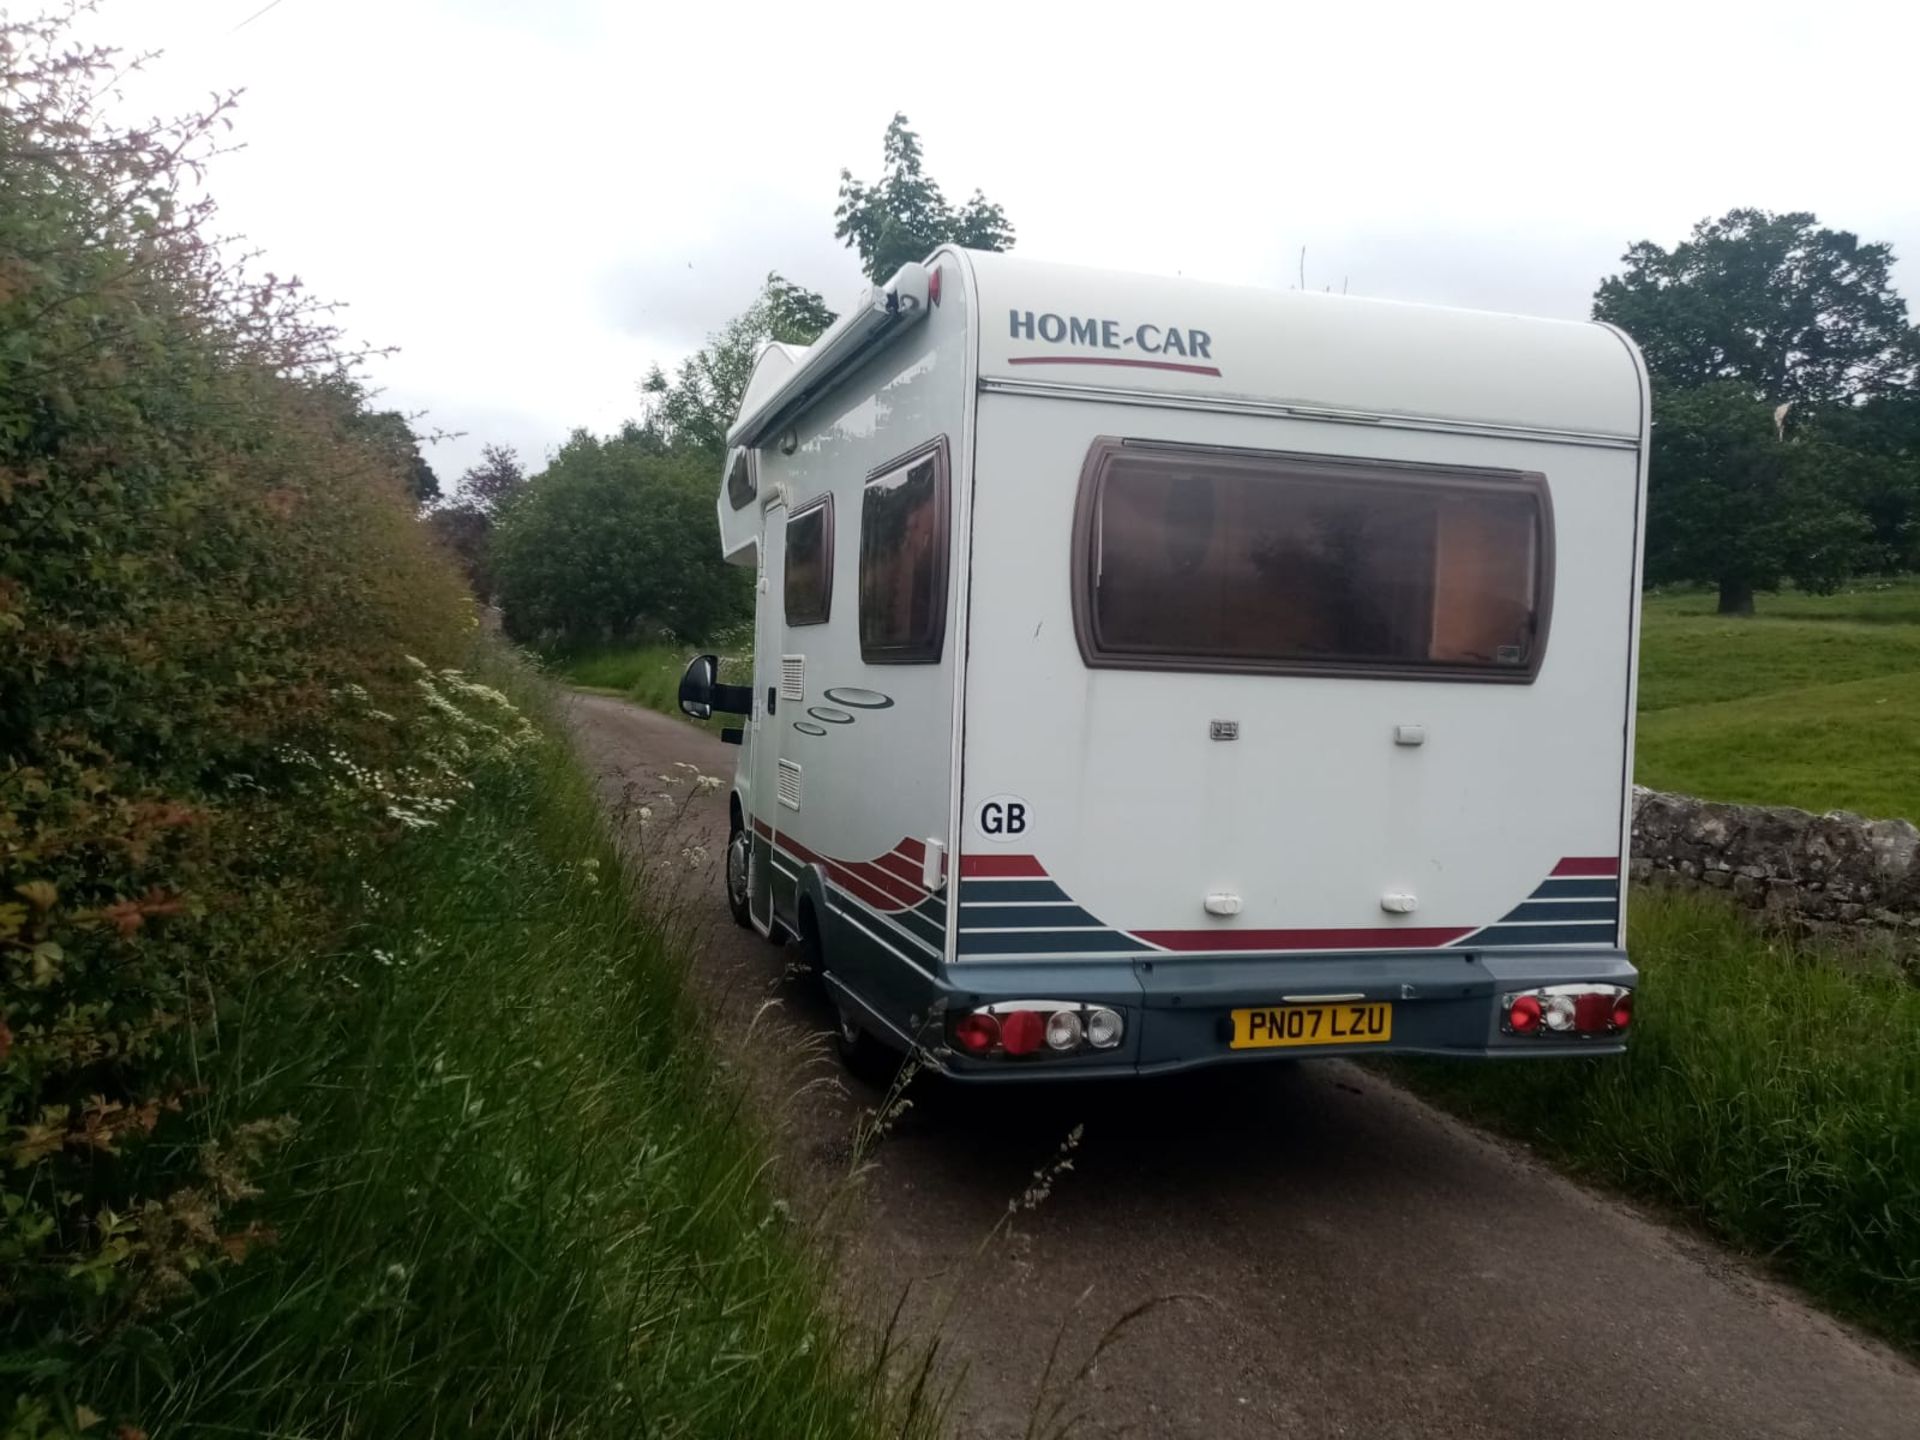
(865, 1058)
(739, 857)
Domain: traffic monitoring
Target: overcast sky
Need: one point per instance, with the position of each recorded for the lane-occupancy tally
(536, 199)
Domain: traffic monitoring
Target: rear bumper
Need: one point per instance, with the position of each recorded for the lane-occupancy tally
(1178, 1008)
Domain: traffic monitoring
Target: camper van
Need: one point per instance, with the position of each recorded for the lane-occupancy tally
(1151, 674)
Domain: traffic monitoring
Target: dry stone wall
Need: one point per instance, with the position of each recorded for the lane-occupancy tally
(1816, 872)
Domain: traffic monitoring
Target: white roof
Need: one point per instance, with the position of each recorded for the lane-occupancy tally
(1301, 349)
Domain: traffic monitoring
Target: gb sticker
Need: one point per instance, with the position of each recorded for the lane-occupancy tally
(1003, 818)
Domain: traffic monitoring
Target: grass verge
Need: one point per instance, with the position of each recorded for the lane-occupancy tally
(1768, 1092)
(519, 1201)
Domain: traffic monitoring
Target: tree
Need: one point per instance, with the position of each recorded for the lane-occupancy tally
(1732, 502)
(1786, 309)
(693, 410)
(465, 525)
(614, 541)
(903, 217)
(393, 433)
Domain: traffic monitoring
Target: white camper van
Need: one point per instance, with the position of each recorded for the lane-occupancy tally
(1151, 674)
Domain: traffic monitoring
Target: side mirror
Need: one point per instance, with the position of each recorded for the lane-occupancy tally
(696, 686)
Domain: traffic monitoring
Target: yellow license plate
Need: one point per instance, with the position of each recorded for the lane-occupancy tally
(1264, 1026)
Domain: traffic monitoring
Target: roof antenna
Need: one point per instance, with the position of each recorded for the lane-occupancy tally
(1303, 267)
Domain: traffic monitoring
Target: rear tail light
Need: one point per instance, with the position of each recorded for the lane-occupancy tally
(1019, 1029)
(1063, 1030)
(977, 1033)
(1570, 1011)
(1022, 1031)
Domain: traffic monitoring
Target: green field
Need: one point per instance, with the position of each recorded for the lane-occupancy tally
(1813, 702)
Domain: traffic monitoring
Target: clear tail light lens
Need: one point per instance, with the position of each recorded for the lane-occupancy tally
(1063, 1030)
(1104, 1028)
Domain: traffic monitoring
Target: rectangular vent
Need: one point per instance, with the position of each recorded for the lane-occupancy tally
(789, 784)
(793, 677)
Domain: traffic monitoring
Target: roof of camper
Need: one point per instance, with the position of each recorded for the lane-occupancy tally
(1194, 339)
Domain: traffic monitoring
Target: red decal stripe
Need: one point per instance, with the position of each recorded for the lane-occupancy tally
(1588, 865)
(861, 890)
(901, 893)
(1113, 360)
(1393, 937)
(914, 850)
(900, 867)
(1014, 866)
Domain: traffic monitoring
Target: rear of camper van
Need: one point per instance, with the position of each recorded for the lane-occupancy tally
(1291, 644)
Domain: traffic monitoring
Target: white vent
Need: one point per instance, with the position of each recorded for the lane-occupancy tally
(793, 677)
(789, 784)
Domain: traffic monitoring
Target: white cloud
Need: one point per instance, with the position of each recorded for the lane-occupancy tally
(538, 201)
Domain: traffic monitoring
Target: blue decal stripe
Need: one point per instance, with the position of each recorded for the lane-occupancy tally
(990, 891)
(1045, 942)
(1522, 936)
(1561, 910)
(1026, 917)
(1577, 890)
(932, 931)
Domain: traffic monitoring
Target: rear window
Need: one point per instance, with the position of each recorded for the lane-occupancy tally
(809, 567)
(903, 560)
(1208, 560)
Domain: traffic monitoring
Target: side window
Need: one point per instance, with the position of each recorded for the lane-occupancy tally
(743, 480)
(903, 560)
(809, 566)
(1295, 564)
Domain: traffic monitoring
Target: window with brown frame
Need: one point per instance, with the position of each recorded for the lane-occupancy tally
(903, 560)
(1210, 560)
(743, 480)
(809, 566)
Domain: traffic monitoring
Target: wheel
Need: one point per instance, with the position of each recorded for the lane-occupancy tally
(866, 1059)
(739, 858)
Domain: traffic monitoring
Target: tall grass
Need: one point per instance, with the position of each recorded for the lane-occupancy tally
(520, 1202)
(1767, 1091)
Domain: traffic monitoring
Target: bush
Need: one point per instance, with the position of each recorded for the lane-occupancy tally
(613, 541)
(210, 579)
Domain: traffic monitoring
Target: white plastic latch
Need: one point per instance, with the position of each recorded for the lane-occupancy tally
(1409, 734)
(1223, 902)
(1399, 902)
(933, 874)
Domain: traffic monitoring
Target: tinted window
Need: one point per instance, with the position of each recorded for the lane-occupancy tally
(903, 560)
(809, 568)
(742, 483)
(1201, 560)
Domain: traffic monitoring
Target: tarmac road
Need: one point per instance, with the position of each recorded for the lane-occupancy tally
(1320, 1254)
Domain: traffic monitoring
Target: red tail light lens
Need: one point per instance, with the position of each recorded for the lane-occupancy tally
(1524, 1017)
(977, 1033)
(1623, 1011)
(1023, 1032)
(1591, 1012)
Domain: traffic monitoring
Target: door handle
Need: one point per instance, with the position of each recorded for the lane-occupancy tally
(771, 693)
